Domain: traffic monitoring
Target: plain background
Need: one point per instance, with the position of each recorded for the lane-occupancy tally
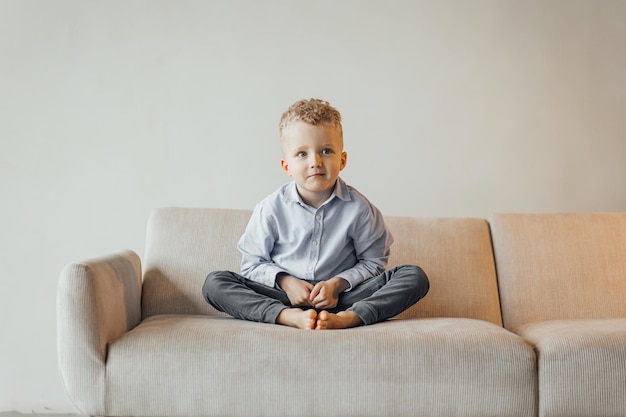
(109, 109)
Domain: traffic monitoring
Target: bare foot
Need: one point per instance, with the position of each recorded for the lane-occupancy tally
(295, 317)
(341, 320)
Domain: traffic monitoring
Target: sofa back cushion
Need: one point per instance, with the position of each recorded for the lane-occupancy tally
(560, 266)
(457, 256)
(184, 245)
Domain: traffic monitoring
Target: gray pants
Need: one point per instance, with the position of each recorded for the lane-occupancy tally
(374, 300)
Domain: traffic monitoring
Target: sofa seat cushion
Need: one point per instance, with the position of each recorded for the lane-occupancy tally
(582, 366)
(177, 365)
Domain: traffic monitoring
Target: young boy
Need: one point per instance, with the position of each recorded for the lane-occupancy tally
(314, 252)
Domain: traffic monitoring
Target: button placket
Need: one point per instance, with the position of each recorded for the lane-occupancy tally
(315, 242)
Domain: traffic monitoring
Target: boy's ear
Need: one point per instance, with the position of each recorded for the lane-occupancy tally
(285, 166)
(344, 160)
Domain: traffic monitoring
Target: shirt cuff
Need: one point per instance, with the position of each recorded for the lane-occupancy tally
(353, 278)
(270, 276)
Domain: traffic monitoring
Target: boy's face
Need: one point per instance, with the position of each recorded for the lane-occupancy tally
(313, 156)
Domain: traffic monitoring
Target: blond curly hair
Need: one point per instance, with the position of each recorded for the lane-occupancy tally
(313, 111)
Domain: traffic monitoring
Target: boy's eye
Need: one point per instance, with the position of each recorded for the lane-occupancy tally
(327, 151)
(301, 154)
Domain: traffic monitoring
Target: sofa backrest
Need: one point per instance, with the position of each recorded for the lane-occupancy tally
(184, 244)
(560, 266)
(457, 256)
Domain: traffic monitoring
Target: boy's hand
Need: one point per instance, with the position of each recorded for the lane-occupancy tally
(325, 294)
(297, 290)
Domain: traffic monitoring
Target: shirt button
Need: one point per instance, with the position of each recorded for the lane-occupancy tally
(318, 217)
(314, 243)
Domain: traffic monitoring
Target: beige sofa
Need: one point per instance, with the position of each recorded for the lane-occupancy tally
(545, 336)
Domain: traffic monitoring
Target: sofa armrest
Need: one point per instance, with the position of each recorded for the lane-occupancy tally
(97, 302)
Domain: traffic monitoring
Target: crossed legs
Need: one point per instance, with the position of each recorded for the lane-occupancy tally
(372, 301)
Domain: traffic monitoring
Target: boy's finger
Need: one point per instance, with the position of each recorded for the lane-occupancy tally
(314, 292)
(320, 303)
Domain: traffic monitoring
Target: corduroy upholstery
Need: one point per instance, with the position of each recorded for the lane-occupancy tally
(562, 280)
(456, 255)
(175, 365)
(173, 355)
(183, 245)
(582, 366)
(97, 302)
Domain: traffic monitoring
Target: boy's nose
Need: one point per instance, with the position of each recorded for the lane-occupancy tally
(316, 160)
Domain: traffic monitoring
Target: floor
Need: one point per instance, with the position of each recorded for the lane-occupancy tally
(16, 414)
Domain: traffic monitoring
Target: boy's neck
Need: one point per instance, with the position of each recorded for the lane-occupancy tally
(315, 200)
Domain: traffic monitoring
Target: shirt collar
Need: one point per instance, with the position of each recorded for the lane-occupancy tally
(341, 191)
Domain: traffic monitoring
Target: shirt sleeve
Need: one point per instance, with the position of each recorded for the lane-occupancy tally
(372, 243)
(256, 245)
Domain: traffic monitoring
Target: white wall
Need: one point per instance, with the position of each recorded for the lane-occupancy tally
(451, 108)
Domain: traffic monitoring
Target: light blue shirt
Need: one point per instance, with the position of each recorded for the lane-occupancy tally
(345, 237)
